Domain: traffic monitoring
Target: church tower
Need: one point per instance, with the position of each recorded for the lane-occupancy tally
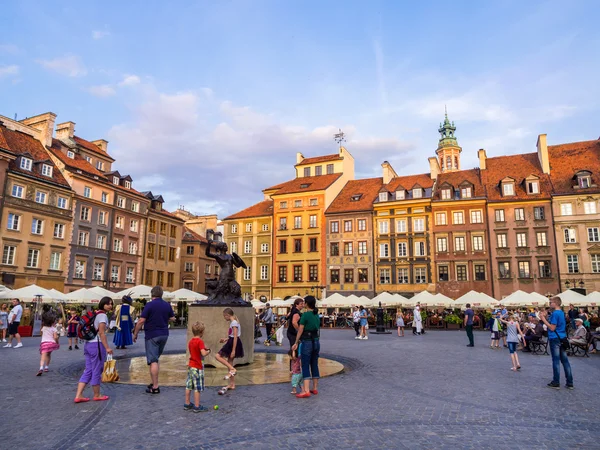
(448, 151)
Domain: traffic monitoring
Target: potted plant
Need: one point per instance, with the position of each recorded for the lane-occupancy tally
(453, 322)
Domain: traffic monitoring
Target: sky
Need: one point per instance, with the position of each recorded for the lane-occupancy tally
(208, 102)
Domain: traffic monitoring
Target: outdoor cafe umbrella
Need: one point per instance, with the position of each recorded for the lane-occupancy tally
(187, 295)
(140, 291)
(520, 298)
(571, 297)
(478, 300)
(335, 301)
(101, 291)
(441, 301)
(83, 295)
(29, 293)
(58, 296)
(592, 299)
(425, 298)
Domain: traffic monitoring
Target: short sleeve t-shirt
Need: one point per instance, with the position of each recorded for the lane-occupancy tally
(100, 318)
(469, 314)
(310, 321)
(232, 325)
(356, 316)
(557, 318)
(195, 346)
(73, 326)
(16, 313)
(157, 314)
(48, 334)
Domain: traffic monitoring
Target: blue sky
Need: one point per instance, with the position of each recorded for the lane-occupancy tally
(191, 95)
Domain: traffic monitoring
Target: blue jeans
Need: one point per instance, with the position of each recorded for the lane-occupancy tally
(309, 351)
(559, 356)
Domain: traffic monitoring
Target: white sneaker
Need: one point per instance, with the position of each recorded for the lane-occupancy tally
(8, 346)
(4, 340)
(366, 337)
(357, 337)
(19, 345)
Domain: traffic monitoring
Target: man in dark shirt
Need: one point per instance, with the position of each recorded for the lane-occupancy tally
(534, 333)
(573, 314)
(469, 313)
(155, 319)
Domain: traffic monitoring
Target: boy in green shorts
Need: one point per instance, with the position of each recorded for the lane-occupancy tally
(195, 376)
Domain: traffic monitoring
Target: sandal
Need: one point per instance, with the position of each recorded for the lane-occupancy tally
(232, 373)
(81, 400)
(151, 390)
(101, 399)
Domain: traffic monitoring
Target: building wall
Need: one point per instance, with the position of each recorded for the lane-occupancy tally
(353, 262)
(166, 265)
(584, 248)
(194, 252)
(531, 253)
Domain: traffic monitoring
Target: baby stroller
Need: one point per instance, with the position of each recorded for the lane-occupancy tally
(277, 336)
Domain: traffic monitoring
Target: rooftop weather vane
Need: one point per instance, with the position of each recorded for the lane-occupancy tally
(339, 137)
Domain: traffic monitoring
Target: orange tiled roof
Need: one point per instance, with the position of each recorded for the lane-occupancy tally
(367, 189)
(409, 181)
(264, 208)
(192, 236)
(19, 143)
(91, 147)
(517, 167)
(568, 159)
(320, 159)
(77, 163)
(455, 179)
(305, 184)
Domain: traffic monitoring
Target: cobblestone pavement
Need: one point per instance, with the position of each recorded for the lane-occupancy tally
(413, 392)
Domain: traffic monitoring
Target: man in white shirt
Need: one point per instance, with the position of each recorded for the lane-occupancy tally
(14, 319)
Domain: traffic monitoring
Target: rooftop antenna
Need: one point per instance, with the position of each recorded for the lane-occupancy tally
(339, 137)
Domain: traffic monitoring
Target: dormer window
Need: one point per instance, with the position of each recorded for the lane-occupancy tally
(383, 196)
(508, 189)
(465, 192)
(417, 193)
(88, 159)
(400, 194)
(127, 184)
(116, 181)
(70, 154)
(533, 187)
(100, 165)
(356, 197)
(25, 164)
(584, 179)
(46, 170)
(304, 185)
(446, 194)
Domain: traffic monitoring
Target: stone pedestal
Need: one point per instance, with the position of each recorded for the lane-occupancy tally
(216, 327)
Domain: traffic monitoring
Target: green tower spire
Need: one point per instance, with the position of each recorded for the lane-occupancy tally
(447, 131)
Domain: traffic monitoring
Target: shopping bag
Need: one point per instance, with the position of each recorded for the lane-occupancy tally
(110, 374)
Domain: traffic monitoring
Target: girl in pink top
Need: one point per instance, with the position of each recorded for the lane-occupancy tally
(49, 341)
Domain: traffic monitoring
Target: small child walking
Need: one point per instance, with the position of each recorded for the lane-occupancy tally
(195, 375)
(400, 324)
(513, 331)
(496, 328)
(49, 341)
(296, 372)
(72, 323)
(231, 350)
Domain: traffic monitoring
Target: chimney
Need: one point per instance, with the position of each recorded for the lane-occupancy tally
(388, 172)
(482, 158)
(102, 144)
(542, 149)
(65, 131)
(44, 123)
(299, 157)
(434, 167)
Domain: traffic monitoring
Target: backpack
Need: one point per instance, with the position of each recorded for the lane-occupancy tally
(86, 329)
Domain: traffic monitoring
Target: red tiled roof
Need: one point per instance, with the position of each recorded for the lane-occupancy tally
(264, 208)
(192, 236)
(568, 159)
(77, 163)
(409, 181)
(455, 179)
(305, 184)
(320, 159)
(368, 190)
(19, 143)
(91, 147)
(518, 167)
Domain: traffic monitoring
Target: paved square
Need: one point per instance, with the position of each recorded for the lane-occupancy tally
(413, 392)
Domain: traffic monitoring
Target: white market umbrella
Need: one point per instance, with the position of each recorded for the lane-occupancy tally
(277, 303)
(520, 298)
(570, 297)
(592, 299)
(187, 295)
(478, 300)
(29, 294)
(140, 291)
(335, 301)
(384, 298)
(257, 304)
(59, 296)
(442, 301)
(83, 295)
(425, 298)
(101, 291)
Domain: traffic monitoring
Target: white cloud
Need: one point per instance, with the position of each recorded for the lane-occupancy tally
(99, 34)
(130, 80)
(7, 71)
(104, 90)
(69, 65)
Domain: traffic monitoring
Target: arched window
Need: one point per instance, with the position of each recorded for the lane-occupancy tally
(449, 162)
(456, 162)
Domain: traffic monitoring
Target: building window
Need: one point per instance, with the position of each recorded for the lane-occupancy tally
(313, 202)
(40, 197)
(440, 218)
(521, 239)
(538, 213)
(172, 254)
(362, 247)
(149, 277)
(282, 246)
(101, 241)
(297, 222)
(59, 230)
(247, 246)
(312, 221)
(283, 223)
(348, 275)
(347, 225)
(541, 239)
(573, 263)
(115, 272)
(533, 187)
(189, 266)
(79, 269)
(104, 197)
(570, 235)
(297, 273)
(329, 169)
(249, 228)
(363, 276)
(233, 246)
(384, 276)
(17, 191)
(133, 248)
(418, 225)
(121, 202)
(334, 227)
(162, 252)
(297, 245)
(402, 249)
(151, 250)
(459, 244)
(135, 206)
(508, 189)
(383, 196)
(420, 275)
(593, 235)
(401, 226)
(87, 192)
(524, 269)
(446, 194)
(98, 271)
(443, 273)
(400, 195)
(504, 269)
(264, 272)
(419, 248)
(297, 203)
(283, 205)
(14, 222)
(8, 255)
(313, 272)
(264, 248)
(133, 225)
(442, 244)
(566, 209)
(589, 207)
(37, 226)
(312, 245)
(117, 245)
(595, 263)
(163, 228)
(160, 277)
(403, 276)
(265, 227)
(100, 167)
(233, 229)
(501, 240)
(479, 272)
(384, 226)
(461, 273)
(119, 222)
(417, 193)
(25, 163)
(519, 214)
(129, 275)
(207, 269)
(334, 249)
(477, 243)
(499, 214)
(247, 273)
(465, 192)
(307, 171)
(384, 250)
(334, 276)
(318, 170)
(152, 226)
(70, 154)
(362, 225)
(82, 238)
(544, 268)
(347, 248)
(458, 218)
(101, 218)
